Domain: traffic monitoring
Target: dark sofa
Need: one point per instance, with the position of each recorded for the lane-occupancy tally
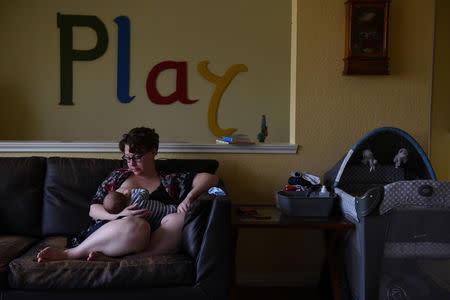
(43, 200)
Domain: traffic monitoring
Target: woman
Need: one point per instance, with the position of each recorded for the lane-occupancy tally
(128, 232)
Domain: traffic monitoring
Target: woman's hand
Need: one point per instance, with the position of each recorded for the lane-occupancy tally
(131, 211)
(201, 183)
(183, 207)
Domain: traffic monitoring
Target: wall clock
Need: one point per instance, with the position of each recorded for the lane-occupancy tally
(366, 37)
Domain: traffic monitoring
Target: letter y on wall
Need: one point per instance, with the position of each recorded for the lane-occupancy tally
(221, 83)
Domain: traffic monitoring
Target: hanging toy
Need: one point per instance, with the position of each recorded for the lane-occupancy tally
(369, 159)
(401, 157)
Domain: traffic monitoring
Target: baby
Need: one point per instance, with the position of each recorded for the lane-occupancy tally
(115, 202)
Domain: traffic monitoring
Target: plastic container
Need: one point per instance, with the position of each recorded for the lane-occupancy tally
(305, 204)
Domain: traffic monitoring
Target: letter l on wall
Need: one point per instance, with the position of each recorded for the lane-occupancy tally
(123, 59)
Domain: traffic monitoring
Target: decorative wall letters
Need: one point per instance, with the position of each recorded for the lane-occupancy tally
(123, 59)
(221, 83)
(181, 87)
(68, 55)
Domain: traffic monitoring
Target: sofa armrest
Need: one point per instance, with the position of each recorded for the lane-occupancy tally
(207, 237)
(195, 224)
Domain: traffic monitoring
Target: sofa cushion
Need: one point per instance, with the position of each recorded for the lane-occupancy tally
(156, 271)
(70, 184)
(22, 180)
(12, 246)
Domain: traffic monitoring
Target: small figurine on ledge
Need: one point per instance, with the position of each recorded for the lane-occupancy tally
(263, 134)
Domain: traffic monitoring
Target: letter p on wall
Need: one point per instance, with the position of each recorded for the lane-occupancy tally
(68, 54)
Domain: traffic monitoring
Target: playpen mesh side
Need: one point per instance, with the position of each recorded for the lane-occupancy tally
(416, 258)
(358, 179)
(413, 195)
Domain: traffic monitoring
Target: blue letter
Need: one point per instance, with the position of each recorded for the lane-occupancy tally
(123, 59)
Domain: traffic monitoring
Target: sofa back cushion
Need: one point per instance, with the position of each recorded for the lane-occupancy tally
(22, 179)
(70, 184)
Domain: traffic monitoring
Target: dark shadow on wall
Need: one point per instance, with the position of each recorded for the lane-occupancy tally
(17, 121)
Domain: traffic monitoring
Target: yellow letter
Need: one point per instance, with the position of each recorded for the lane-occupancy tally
(221, 84)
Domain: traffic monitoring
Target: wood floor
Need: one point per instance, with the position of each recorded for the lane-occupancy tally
(276, 293)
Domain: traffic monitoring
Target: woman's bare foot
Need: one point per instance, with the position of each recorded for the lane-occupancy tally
(99, 256)
(51, 254)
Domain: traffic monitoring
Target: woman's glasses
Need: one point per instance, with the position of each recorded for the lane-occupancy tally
(136, 158)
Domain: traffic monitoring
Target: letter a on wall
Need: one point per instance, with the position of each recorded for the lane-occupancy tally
(180, 92)
(68, 54)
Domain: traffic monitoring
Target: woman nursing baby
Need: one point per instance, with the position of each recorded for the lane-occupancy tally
(141, 228)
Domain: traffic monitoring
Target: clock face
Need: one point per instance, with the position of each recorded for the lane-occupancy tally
(367, 30)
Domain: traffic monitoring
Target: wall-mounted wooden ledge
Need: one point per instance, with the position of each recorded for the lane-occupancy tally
(163, 147)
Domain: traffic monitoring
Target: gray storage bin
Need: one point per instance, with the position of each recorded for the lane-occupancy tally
(305, 204)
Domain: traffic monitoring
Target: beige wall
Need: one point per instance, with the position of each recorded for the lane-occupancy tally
(332, 112)
(440, 120)
(225, 33)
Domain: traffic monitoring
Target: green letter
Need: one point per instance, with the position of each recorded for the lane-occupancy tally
(68, 54)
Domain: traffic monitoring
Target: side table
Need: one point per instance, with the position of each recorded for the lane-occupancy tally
(334, 227)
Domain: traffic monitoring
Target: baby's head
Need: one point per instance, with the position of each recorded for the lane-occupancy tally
(115, 202)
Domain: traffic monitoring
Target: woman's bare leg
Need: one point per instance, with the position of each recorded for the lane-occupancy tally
(115, 238)
(167, 238)
(99, 256)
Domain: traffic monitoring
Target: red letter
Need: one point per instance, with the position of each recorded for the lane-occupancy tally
(181, 88)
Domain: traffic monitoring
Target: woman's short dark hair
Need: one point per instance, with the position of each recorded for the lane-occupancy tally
(140, 140)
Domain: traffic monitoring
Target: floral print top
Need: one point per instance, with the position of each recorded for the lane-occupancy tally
(173, 189)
